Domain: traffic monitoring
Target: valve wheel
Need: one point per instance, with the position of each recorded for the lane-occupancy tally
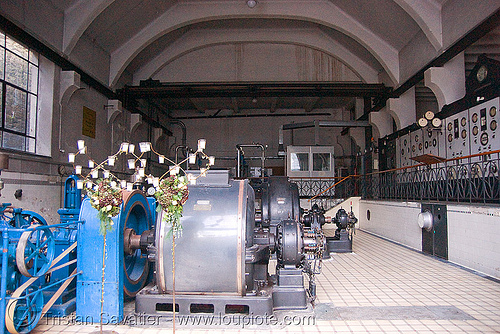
(23, 314)
(35, 252)
(26, 219)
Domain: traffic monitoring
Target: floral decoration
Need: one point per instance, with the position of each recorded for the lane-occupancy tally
(106, 198)
(172, 192)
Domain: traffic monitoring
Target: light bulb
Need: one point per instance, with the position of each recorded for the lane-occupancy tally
(131, 148)
(124, 147)
(123, 183)
(81, 144)
(95, 173)
(141, 172)
(71, 157)
(105, 174)
(129, 186)
(156, 182)
(202, 143)
(111, 160)
(91, 164)
(211, 160)
(143, 163)
(145, 146)
(89, 184)
(161, 159)
(79, 184)
(174, 170)
(192, 158)
(251, 3)
(78, 170)
(131, 163)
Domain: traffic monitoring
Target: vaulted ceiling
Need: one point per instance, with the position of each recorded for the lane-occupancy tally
(384, 41)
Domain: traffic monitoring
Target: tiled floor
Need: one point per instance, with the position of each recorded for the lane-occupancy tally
(379, 288)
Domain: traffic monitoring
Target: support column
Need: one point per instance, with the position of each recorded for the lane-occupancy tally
(382, 120)
(403, 109)
(447, 82)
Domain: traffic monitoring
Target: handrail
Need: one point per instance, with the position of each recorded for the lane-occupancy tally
(400, 168)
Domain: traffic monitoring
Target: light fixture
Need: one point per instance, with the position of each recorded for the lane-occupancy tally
(124, 147)
(145, 147)
(251, 3)
(201, 144)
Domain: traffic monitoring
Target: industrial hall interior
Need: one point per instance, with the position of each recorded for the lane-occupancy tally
(249, 166)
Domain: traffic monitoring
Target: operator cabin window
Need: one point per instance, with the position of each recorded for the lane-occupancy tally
(321, 162)
(299, 162)
(18, 95)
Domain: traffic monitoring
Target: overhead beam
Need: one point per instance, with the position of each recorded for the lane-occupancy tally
(234, 102)
(341, 124)
(256, 90)
(274, 104)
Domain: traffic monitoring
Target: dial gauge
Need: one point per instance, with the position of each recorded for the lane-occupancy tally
(474, 117)
(482, 73)
(436, 122)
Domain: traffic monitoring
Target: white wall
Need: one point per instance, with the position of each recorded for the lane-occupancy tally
(396, 221)
(474, 237)
(473, 231)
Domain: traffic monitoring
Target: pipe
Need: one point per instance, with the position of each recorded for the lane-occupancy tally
(239, 147)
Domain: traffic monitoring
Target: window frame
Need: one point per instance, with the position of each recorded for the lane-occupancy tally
(30, 121)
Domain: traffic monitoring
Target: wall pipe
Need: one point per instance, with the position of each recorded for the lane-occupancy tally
(240, 147)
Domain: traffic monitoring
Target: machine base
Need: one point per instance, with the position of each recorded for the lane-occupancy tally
(149, 301)
(342, 245)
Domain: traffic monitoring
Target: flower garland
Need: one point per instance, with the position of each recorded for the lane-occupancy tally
(172, 192)
(106, 198)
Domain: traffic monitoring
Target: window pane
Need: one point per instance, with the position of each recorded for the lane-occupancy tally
(2, 62)
(15, 110)
(30, 145)
(31, 116)
(13, 141)
(2, 39)
(299, 162)
(33, 57)
(16, 70)
(16, 48)
(33, 79)
(321, 162)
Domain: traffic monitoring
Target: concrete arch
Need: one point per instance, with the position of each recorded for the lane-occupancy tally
(311, 38)
(78, 18)
(427, 14)
(321, 12)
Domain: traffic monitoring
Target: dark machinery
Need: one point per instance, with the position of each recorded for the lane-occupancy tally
(222, 257)
(342, 241)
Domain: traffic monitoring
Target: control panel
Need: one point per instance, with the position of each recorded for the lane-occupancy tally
(457, 135)
(485, 135)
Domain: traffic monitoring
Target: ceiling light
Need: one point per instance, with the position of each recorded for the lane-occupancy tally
(251, 3)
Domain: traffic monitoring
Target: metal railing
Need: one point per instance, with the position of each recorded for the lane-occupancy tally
(470, 179)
